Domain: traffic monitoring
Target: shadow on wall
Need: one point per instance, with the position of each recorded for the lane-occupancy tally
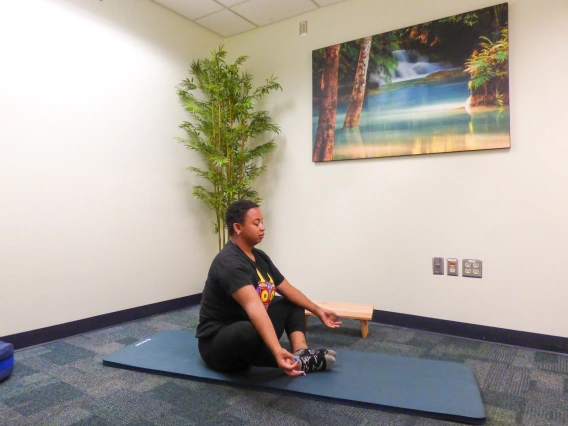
(144, 20)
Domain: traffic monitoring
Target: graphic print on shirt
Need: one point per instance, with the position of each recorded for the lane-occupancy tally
(265, 289)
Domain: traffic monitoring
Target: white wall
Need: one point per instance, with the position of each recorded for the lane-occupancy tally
(96, 213)
(366, 230)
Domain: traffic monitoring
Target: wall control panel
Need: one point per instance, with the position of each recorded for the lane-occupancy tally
(471, 268)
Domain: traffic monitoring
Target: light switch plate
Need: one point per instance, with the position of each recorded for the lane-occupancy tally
(438, 265)
(472, 268)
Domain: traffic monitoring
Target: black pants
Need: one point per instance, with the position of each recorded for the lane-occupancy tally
(238, 346)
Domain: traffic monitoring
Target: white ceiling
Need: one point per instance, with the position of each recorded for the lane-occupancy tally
(230, 17)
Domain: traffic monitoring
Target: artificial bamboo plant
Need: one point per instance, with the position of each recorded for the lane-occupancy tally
(225, 124)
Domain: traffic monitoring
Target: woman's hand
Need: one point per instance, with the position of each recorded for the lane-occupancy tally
(328, 318)
(287, 363)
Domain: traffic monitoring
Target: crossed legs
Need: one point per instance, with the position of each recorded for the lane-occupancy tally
(238, 345)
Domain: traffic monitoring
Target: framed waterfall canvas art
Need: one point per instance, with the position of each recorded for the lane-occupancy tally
(439, 86)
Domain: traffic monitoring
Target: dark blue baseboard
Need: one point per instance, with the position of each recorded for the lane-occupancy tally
(524, 339)
(61, 331)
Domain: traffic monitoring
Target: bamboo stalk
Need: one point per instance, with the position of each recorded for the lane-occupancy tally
(243, 138)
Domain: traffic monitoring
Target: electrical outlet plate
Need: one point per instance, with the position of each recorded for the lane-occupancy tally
(453, 267)
(438, 265)
(472, 268)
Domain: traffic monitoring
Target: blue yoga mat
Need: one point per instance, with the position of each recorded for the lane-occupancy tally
(438, 389)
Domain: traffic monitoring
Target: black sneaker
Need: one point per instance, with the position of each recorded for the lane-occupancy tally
(314, 351)
(315, 360)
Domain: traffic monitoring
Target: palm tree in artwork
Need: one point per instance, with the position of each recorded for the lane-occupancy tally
(358, 92)
(323, 146)
(375, 56)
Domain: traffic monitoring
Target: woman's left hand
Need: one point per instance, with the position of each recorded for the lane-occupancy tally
(329, 318)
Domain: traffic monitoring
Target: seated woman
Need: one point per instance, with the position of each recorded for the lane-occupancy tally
(239, 322)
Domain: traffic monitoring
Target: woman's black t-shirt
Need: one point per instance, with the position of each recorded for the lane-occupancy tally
(231, 270)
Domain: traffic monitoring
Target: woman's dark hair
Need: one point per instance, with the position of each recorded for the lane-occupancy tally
(236, 213)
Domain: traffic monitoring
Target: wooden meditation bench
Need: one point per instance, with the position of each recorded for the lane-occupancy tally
(363, 313)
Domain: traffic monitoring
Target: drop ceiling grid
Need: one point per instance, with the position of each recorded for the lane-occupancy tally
(231, 17)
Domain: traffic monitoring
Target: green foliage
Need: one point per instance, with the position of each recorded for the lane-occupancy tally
(469, 19)
(225, 122)
(451, 38)
(488, 67)
(381, 59)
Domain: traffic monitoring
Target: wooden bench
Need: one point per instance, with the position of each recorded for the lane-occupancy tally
(363, 313)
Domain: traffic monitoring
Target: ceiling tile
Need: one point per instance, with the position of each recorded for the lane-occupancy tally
(191, 9)
(225, 23)
(326, 2)
(264, 12)
(229, 3)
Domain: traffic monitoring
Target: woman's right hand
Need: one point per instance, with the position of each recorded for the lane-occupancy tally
(287, 363)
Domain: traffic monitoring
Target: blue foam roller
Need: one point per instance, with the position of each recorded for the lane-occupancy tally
(6, 368)
(6, 350)
(437, 389)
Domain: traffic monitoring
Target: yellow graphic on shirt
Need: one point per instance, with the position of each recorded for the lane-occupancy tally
(266, 289)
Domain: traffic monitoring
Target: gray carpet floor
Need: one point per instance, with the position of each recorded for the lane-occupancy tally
(64, 382)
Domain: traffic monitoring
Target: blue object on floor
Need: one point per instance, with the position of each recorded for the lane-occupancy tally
(6, 360)
(437, 389)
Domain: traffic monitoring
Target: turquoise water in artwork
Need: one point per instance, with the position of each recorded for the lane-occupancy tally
(417, 117)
